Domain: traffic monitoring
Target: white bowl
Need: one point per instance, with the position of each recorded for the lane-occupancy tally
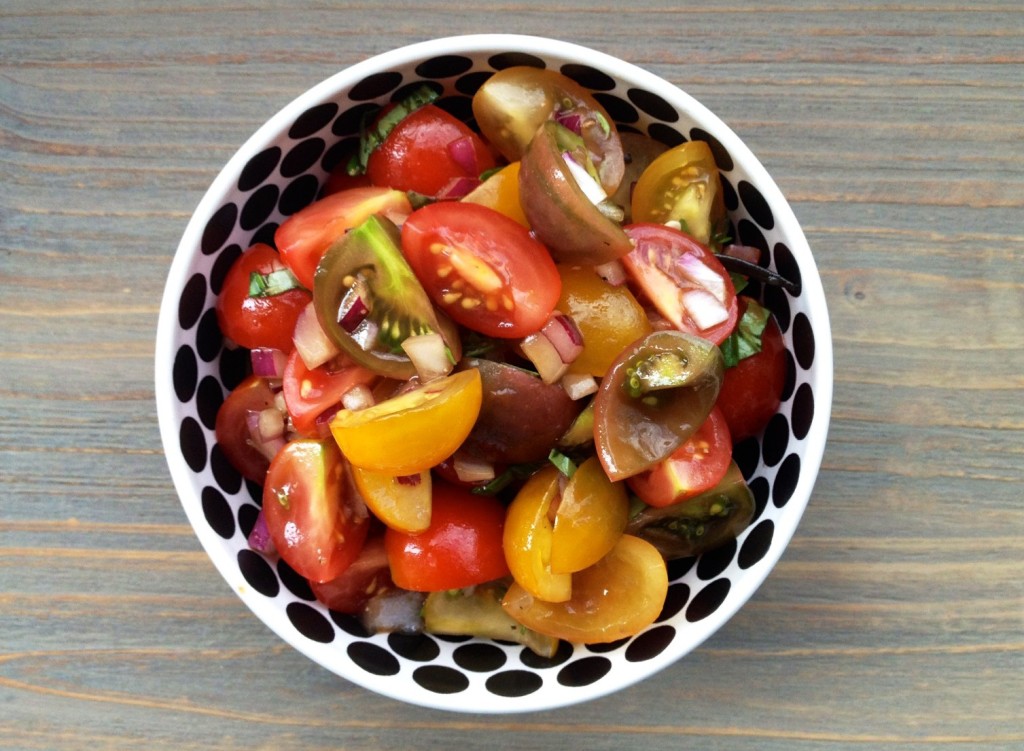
(278, 170)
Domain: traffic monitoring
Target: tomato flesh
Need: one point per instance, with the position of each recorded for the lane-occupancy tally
(317, 525)
(309, 394)
(460, 548)
(482, 268)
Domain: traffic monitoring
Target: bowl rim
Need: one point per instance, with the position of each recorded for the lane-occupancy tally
(623, 71)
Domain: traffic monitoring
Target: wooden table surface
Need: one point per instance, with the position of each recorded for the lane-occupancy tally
(894, 620)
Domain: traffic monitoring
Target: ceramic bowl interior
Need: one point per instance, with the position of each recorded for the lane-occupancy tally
(278, 171)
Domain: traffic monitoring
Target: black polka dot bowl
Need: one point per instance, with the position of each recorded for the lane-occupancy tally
(279, 170)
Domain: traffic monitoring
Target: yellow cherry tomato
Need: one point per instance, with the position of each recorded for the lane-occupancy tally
(414, 431)
(527, 538)
(589, 520)
(619, 596)
(608, 317)
(681, 185)
(500, 192)
(401, 502)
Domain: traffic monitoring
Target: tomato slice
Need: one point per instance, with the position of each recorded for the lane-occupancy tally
(683, 279)
(308, 394)
(401, 502)
(426, 150)
(681, 185)
(460, 548)
(305, 236)
(528, 536)
(698, 465)
(589, 518)
(482, 268)
(617, 597)
(318, 526)
(500, 192)
(251, 395)
(413, 431)
(263, 320)
(752, 389)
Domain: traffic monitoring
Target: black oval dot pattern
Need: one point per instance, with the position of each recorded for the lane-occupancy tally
(285, 177)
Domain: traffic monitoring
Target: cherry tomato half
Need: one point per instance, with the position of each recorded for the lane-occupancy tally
(482, 268)
(698, 465)
(318, 525)
(418, 154)
(368, 575)
(683, 279)
(266, 320)
(251, 395)
(460, 548)
(752, 389)
(306, 235)
(310, 393)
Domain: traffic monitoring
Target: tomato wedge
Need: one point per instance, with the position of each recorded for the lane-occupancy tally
(317, 524)
(308, 394)
(482, 268)
(305, 236)
(683, 279)
(460, 548)
(698, 465)
(251, 395)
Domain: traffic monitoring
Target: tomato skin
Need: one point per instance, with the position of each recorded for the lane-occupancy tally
(251, 395)
(696, 466)
(258, 321)
(460, 548)
(368, 575)
(310, 393)
(305, 236)
(752, 389)
(655, 265)
(482, 268)
(318, 525)
(415, 154)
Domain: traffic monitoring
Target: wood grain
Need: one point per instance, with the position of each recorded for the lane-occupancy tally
(896, 618)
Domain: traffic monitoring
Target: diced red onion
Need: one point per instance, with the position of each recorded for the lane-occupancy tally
(323, 421)
(701, 274)
(472, 470)
(463, 153)
(259, 539)
(357, 398)
(570, 120)
(743, 252)
(409, 480)
(266, 430)
(394, 610)
(268, 362)
(590, 187)
(579, 385)
(313, 345)
(353, 315)
(612, 272)
(703, 308)
(563, 333)
(429, 355)
(457, 187)
(542, 353)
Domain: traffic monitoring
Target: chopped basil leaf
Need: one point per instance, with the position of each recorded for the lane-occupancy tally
(513, 474)
(564, 464)
(371, 138)
(274, 283)
(739, 282)
(606, 129)
(491, 172)
(418, 200)
(746, 339)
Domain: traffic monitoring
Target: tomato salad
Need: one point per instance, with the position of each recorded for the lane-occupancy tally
(497, 376)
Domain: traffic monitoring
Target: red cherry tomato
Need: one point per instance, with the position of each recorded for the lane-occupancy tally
(752, 389)
(461, 547)
(251, 395)
(698, 465)
(482, 268)
(310, 393)
(367, 576)
(416, 155)
(317, 523)
(306, 235)
(339, 179)
(683, 279)
(267, 321)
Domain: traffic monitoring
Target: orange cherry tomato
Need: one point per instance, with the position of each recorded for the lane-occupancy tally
(317, 524)
(460, 548)
(500, 192)
(608, 317)
(528, 537)
(414, 431)
(401, 502)
(617, 597)
(590, 518)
